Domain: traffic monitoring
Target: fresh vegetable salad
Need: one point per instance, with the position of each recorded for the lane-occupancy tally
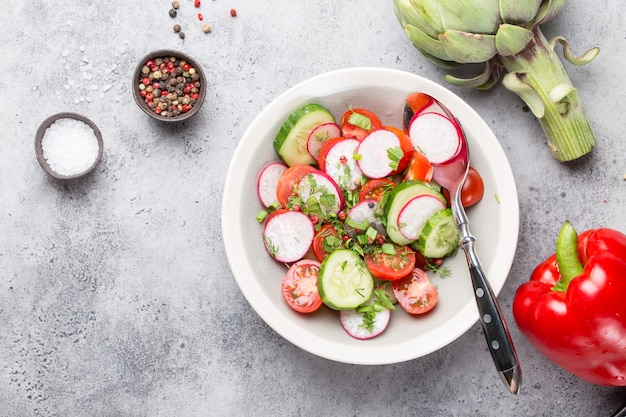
(352, 211)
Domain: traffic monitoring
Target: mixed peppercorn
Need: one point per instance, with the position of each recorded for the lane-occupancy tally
(170, 86)
(206, 28)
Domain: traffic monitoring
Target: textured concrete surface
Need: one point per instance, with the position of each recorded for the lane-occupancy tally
(116, 298)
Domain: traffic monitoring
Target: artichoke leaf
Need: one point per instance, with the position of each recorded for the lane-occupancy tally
(562, 95)
(475, 16)
(548, 10)
(449, 65)
(513, 82)
(423, 14)
(424, 42)
(468, 48)
(578, 60)
(519, 11)
(512, 39)
(483, 81)
(561, 92)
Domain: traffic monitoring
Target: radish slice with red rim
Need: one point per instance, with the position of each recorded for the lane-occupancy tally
(436, 135)
(353, 323)
(416, 212)
(374, 153)
(288, 235)
(268, 181)
(324, 189)
(362, 215)
(319, 136)
(341, 165)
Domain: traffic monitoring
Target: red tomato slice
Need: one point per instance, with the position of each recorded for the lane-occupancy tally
(318, 241)
(299, 286)
(407, 148)
(366, 121)
(424, 263)
(391, 267)
(288, 180)
(374, 189)
(472, 191)
(419, 168)
(415, 293)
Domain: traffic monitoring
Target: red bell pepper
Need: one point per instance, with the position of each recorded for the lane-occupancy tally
(573, 309)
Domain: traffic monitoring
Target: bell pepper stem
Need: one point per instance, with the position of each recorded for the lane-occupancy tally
(538, 77)
(567, 256)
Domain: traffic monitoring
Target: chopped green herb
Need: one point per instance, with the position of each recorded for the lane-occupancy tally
(261, 216)
(273, 250)
(395, 155)
(383, 298)
(357, 119)
(358, 225)
(371, 233)
(388, 249)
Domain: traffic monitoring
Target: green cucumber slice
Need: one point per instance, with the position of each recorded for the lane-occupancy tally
(344, 282)
(291, 140)
(440, 237)
(398, 198)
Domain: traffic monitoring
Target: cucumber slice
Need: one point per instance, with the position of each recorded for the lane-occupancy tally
(291, 140)
(344, 282)
(398, 198)
(440, 237)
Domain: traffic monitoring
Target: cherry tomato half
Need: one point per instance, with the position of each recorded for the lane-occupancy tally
(391, 267)
(288, 180)
(358, 123)
(415, 293)
(415, 103)
(319, 249)
(472, 191)
(419, 168)
(424, 263)
(299, 286)
(374, 189)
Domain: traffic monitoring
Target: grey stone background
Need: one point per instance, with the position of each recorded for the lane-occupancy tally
(116, 298)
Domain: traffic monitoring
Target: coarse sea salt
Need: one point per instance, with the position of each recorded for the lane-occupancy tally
(69, 146)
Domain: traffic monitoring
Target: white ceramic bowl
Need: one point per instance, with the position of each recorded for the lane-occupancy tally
(494, 222)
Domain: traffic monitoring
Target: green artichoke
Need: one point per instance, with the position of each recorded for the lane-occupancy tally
(505, 35)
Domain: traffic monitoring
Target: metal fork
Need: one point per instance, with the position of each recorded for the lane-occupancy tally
(452, 175)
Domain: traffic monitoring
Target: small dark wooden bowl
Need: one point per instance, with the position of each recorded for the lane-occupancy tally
(41, 132)
(161, 54)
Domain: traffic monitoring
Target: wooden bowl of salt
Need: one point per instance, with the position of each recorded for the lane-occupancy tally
(68, 145)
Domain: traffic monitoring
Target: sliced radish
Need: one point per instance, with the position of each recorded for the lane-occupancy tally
(416, 212)
(288, 235)
(352, 322)
(436, 135)
(374, 160)
(320, 135)
(362, 214)
(340, 164)
(324, 189)
(268, 181)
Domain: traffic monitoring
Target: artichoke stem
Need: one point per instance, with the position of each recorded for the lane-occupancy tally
(544, 85)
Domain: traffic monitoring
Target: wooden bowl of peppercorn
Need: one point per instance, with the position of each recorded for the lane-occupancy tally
(169, 85)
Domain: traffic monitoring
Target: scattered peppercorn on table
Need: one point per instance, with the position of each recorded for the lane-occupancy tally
(116, 297)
